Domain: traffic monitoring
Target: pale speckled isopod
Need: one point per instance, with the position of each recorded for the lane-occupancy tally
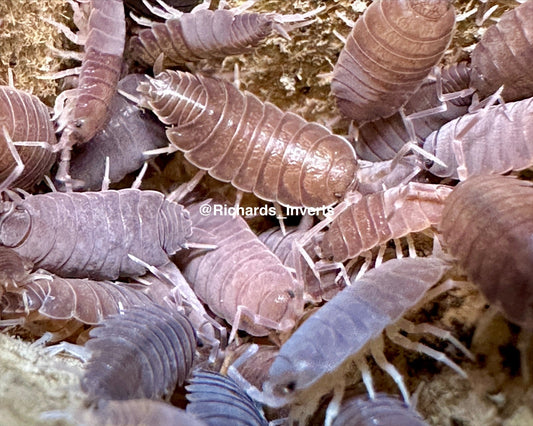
(254, 145)
(496, 139)
(345, 329)
(204, 34)
(488, 209)
(389, 52)
(25, 119)
(141, 353)
(241, 280)
(91, 234)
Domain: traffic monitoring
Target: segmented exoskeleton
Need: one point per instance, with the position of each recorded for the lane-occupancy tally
(504, 56)
(487, 225)
(91, 234)
(129, 132)
(254, 145)
(496, 139)
(241, 280)
(383, 138)
(389, 52)
(141, 353)
(24, 118)
(382, 216)
(83, 111)
(349, 326)
(204, 34)
(217, 399)
(383, 410)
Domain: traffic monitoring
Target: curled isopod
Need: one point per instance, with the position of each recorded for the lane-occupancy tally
(24, 118)
(91, 234)
(141, 353)
(216, 399)
(376, 218)
(316, 357)
(383, 410)
(129, 132)
(204, 34)
(504, 56)
(254, 145)
(487, 225)
(388, 54)
(241, 280)
(83, 111)
(496, 139)
(135, 412)
(383, 138)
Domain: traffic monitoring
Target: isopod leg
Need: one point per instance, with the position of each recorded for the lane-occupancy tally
(362, 365)
(335, 403)
(284, 325)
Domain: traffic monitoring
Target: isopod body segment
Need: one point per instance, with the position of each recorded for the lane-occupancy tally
(254, 145)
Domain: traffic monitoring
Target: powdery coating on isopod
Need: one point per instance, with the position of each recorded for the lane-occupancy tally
(341, 329)
(141, 353)
(87, 301)
(384, 410)
(129, 132)
(136, 412)
(495, 140)
(202, 34)
(389, 52)
(103, 31)
(90, 234)
(487, 225)
(382, 216)
(25, 118)
(240, 271)
(254, 145)
(504, 56)
(218, 400)
(383, 138)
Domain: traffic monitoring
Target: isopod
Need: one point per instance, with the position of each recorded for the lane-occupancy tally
(204, 34)
(383, 138)
(257, 147)
(504, 56)
(241, 280)
(90, 234)
(488, 209)
(388, 54)
(349, 326)
(495, 140)
(217, 399)
(24, 118)
(383, 410)
(83, 111)
(129, 132)
(382, 216)
(141, 353)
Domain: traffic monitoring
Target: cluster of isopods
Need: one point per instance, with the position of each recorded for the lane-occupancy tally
(157, 291)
